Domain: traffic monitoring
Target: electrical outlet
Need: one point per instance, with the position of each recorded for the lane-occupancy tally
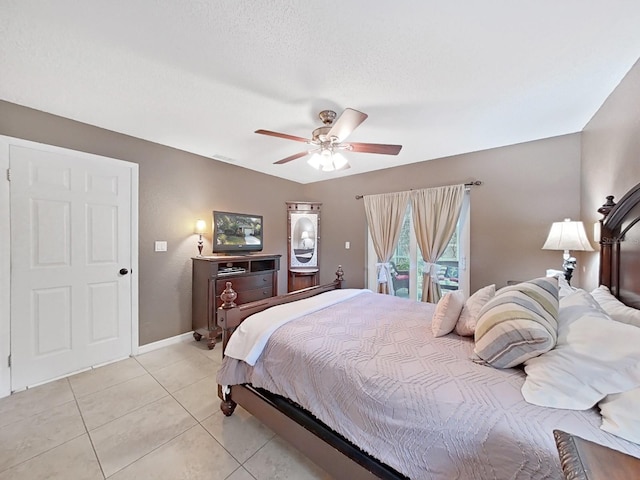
(161, 246)
(347, 245)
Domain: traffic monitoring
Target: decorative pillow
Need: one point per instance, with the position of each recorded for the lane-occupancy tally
(466, 324)
(615, 308)
(621, 415)
(519, 323)
(594, 357)
(447, 313)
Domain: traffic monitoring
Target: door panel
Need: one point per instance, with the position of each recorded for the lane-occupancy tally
(51, 310)
(102, 314)
(70, 236)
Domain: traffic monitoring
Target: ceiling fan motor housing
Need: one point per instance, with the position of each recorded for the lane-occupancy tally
(327, 116)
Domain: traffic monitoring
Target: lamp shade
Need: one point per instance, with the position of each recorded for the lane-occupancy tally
(567, 235)
(201, 226)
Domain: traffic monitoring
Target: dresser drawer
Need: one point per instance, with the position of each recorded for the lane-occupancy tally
(247, 296)
(249, 282)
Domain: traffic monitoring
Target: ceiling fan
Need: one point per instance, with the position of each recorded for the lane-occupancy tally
(327, 141)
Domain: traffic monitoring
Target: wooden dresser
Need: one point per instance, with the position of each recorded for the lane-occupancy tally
(254, 277)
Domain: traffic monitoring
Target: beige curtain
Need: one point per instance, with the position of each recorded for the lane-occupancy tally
(385, 213)
(435, 214)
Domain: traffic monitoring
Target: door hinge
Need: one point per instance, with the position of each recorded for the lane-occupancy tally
(9, 361)
(9, 174)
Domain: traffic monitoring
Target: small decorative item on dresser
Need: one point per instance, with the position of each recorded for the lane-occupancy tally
(201, 226)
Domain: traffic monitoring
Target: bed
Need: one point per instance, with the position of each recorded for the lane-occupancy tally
(429, 411)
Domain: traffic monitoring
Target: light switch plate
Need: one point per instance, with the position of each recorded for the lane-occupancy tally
(161, 246)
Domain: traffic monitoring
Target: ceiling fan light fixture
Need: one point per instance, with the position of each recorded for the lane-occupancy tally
(339, 161)
(314, 161)
(326, 161)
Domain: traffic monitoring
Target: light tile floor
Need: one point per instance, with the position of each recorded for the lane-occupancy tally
(154, 416)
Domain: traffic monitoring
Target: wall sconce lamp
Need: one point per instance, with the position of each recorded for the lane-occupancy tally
(201, 226)
(568, 236)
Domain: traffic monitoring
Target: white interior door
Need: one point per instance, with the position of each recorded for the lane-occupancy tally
(71, 261)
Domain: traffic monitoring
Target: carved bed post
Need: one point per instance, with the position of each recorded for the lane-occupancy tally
(606, 243)
(227, 405)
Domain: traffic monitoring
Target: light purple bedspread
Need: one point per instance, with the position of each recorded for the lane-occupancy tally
(371, 370)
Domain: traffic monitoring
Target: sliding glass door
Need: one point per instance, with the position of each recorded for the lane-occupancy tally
(407, 265)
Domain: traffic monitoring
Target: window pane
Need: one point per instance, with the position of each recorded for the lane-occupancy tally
(448, 265)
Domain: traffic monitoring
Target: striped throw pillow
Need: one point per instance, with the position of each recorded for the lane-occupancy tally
(520, 322)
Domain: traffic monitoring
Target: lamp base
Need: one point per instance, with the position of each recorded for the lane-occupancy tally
(200, 242)
(569, 266)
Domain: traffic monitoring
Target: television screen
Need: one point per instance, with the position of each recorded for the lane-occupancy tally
(236, 232)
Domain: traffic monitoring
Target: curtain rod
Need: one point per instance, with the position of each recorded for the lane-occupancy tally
(475, 183)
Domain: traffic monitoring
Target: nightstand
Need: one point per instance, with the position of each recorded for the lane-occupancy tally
(584, 460)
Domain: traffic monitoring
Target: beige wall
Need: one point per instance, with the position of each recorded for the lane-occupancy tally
(176, 188)
(526, 188)
(610, 156)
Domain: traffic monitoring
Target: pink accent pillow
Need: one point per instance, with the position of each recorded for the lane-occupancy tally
(447, 312)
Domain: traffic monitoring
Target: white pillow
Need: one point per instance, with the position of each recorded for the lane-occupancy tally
(447, 313)
(615, 308)
(621, 415)
(594, 357)
(466, 325)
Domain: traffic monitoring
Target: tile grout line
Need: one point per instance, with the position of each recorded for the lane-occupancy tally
(169, 440)
(93, 447)
(63, 443)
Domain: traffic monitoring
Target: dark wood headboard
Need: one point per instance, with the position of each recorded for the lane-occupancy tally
(620, 247)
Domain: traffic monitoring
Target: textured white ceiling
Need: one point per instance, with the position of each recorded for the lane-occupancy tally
(439, 77)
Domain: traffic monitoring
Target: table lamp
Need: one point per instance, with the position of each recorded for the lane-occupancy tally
(568, 235)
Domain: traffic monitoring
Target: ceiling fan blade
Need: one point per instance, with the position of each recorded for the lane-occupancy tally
(375, 148)
(346, 123)
(283, 135)
(292, 157)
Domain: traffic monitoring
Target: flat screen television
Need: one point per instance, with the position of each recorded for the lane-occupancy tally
(236, 233)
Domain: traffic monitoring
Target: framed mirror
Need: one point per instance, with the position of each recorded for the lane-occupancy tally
(303, 237)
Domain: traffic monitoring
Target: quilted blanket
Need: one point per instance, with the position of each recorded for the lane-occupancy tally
(371, 370)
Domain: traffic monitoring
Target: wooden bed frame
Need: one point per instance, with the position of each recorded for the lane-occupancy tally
(619, 259)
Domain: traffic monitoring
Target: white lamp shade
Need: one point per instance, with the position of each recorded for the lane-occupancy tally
(567, 235)
(201, 226)
(314, 161)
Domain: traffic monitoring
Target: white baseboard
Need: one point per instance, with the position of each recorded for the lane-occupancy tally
(150, 347)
